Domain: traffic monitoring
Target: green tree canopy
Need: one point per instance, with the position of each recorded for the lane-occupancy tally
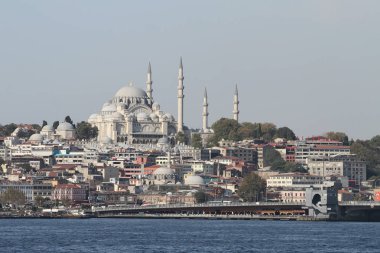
(252, 187)
(69, 120)
(196, 141)
(6, 130)
(181, 138)
(337, 136)
(55, 124)
(44, 123)
(285, 132)
(200, 197)
(230, 129)
(12, 196)
(225, 129)
(85, 131)
(369, 150)
(25, 133)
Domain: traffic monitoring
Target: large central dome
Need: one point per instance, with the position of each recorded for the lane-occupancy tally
(131, 92)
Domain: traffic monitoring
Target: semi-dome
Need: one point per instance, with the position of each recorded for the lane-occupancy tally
(163, 171)
(36, 138)
(65, 126)
(142, 116)
(131, 92)
(169, 117)
(154, 117)
(194, 180)
(47, 128)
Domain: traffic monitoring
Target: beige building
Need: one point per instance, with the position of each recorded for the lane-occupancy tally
(350, 166)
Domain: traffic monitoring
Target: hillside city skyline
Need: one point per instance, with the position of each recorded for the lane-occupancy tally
(303, 67)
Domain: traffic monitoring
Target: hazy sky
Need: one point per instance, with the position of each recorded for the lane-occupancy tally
(313, 66)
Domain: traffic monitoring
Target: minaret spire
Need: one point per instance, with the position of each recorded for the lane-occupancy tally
(236, 105)
(205, 112)
(149, 83)
(180, 97)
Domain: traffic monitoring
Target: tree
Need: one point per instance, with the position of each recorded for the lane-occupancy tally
(269, 130)
(337, 136)
(27, 168)
(252, 187)
(225, 129)
(181, 138)
(200, 197)
(196, 141)
(68, 120)
(85, 131)
(286, 133)
(8, 129)
(294, 167)
(44, 123)
(369, 150)
(39, 201)
(273, 158)
(25, 133)
(247, 130)
(55, 124)
(259, 131)
(12, 196)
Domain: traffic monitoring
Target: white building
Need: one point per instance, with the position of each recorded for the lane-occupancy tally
(293, 180)
(305, 150)
(133, 117)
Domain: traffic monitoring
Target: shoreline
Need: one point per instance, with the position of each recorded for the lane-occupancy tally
(178, 217)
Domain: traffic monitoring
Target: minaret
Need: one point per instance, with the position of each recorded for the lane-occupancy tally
(180, 97)
(205, 112)
(236, 105)
(149, 83)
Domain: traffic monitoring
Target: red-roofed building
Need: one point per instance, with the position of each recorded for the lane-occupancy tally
(71, 192)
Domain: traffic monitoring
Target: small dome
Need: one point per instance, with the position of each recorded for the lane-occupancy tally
(194, 180)
(65, 126)
(109, 108)
(36, 138)
(130, 92)
(93, 118)
(163, 171)
(106, 104)
(115, 116)
(156, 106)
(47, 128)
(169, 117)
(118, 115)
(142, 116)
(154, 117)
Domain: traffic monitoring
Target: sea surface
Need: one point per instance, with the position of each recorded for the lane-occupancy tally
(143, 235)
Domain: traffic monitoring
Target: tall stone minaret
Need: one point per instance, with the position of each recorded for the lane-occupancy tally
(236, 105)
(180, 97)
(149, 83)
(205, 112)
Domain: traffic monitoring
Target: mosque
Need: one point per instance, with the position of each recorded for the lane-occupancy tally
(133, 117)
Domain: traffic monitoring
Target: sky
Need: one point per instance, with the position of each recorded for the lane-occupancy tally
(313, 66)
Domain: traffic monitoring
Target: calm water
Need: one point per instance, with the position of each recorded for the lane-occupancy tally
(128, 235)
